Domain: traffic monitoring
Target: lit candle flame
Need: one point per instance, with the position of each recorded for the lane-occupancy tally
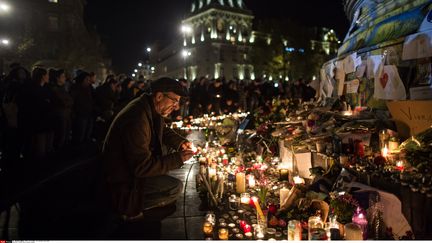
(384, 151)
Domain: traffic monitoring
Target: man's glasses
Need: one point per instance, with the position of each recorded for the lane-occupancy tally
(175, 102)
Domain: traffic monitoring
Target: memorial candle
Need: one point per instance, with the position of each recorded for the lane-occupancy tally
(245, 198)
(283, 174)
(251, 181)
(223, 234)
(258, 207)
(240, 182)
(400, 165)
(384, 152)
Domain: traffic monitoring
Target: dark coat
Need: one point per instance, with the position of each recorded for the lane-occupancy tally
(83, 101)
(62, 101)
(104, 100)
(132, 148)
(35, 109)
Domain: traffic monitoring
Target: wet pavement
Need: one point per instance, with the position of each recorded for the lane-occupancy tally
(66, 206)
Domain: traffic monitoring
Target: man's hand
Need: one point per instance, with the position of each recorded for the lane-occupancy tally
(186, 155)
(186, 146)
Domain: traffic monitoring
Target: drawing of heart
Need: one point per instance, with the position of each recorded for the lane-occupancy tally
(384, 80)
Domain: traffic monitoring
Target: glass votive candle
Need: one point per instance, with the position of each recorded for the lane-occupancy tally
(233, 202)
(245, 198)
(210, 217)
(259, 232)
(208, 228)
(283, 174)
(239, 236)
(223, 234)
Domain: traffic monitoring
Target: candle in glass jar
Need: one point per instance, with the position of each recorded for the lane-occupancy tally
(400, 165)
(259, 232)
(240, 182)
(245, 198)
(283, 174)
(208, 228)
(223, 234)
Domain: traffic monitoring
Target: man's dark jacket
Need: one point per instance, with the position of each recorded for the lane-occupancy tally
(132, 148)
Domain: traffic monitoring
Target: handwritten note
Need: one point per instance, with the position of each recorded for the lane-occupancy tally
(411, 116)
(352, 86)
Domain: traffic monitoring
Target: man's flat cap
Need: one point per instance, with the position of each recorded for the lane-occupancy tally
(168, 85)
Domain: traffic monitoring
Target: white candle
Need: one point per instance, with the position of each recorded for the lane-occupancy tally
(283, 192)
(384, 151)
(240, 182)
(251, 181)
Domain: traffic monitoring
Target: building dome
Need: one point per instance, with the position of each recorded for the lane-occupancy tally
(232, 5)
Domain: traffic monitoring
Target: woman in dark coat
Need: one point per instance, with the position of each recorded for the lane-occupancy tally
(82, 112)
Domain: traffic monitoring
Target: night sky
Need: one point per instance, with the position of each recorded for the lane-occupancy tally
(127, 27)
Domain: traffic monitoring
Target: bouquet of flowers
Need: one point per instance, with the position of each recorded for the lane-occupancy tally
(343, 206)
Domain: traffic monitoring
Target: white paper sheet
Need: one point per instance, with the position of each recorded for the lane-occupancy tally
(372, 66)
(361, 69)
(350, 63)
(388, 85)
(340, 77)
(417, 46)
(392, 210)
(304, 163)
(329, 69)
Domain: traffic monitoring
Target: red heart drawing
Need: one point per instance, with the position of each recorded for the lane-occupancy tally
(384, 80)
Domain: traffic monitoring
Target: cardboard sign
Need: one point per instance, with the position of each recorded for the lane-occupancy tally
(411, 116)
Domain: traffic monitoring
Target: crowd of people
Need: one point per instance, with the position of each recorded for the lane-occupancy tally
(45, 111)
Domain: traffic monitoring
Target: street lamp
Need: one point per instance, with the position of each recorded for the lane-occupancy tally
(3, 43)
(148, 49)
(139, 64)
(185, 54)
(4, 7)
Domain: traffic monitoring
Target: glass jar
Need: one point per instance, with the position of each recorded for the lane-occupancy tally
(294, 230)
(316, 228)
